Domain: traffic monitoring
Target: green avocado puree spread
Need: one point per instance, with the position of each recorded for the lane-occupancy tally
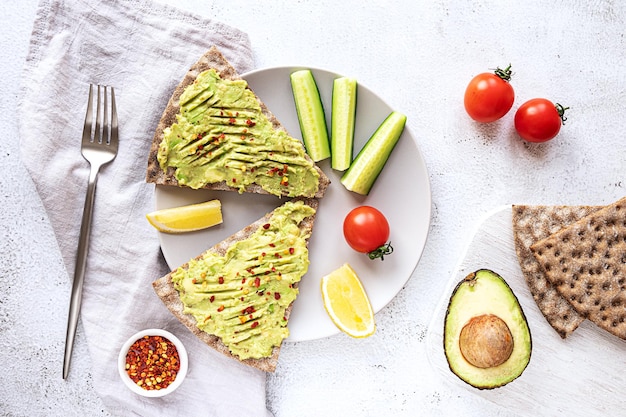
(221, 134)
(242, 296)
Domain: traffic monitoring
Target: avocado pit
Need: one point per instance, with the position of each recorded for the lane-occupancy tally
(486, 341)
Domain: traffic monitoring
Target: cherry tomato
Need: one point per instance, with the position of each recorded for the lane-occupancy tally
(489, 96)
(366, 230)
(539, 120)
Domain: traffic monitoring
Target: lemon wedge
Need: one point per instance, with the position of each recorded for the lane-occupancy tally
(347, 303)
(187, 218)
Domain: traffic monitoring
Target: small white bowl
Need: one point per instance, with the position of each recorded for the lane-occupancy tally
(182, 354)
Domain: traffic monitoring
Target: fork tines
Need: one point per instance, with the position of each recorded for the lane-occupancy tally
(103, 132)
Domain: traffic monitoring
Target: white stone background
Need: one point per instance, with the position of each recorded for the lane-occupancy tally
(418, 56)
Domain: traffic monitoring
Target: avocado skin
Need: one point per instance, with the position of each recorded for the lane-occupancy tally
(486, 292)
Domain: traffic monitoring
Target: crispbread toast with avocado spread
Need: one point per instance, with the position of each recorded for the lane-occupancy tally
(237, 295)
(215, 133)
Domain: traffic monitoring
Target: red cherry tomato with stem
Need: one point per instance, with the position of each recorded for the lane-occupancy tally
(539, 120)
(366, 230)
(489, 96)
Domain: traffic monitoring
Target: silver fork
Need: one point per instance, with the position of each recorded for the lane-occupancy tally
(99, 147)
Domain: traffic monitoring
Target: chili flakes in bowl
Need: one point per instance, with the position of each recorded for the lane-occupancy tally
(153, 363)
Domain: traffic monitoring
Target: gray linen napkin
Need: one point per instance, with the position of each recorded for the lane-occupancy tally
(143, 49)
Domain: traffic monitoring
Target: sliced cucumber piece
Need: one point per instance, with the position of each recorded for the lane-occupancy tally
(342, 123)
(368, 164)
(310, 114)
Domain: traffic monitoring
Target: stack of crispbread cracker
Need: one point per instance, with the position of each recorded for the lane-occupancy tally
(574, 261)
(532, 224)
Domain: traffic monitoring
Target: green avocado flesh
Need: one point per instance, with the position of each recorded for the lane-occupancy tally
(477, 299)
(242, 297)
(221, 134)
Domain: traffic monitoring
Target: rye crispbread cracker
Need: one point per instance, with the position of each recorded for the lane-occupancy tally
(166, 291)
(213, 58)
(586, 263)
(530, 225)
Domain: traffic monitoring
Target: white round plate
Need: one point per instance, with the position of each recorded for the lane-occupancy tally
(401, 192)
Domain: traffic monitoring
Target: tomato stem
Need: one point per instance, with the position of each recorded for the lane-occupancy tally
(505, 74)
(381, 252)
(561, 111)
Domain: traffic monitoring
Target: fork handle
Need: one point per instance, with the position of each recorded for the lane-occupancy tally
(79, 272)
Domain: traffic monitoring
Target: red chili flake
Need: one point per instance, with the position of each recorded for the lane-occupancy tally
(272, 245)
(250, 271)
(220, 280)
(200, 135)
(257, 282)
(200, 147)
(243, 280)
(248, 310)
(152, 362)
(250, 123)
(220, 308)
(267, 272)
(255, 324)
(212, 298)
(277, 296)
(234, 179)
(231, 121)
(266, 226)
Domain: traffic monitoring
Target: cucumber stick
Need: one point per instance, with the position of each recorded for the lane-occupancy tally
(368, 164)
(342, 122)
(310, 114)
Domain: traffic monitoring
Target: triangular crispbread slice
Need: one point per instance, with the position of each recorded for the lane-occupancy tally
(530, 225)
(213, 59)
(586, 263)
(164, 288)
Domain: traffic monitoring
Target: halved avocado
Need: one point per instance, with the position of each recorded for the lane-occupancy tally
(486, 337)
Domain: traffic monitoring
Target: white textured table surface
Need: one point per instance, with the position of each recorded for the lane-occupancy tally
(419, 58)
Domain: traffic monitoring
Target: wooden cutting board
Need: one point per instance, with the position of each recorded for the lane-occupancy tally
(583, 375)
